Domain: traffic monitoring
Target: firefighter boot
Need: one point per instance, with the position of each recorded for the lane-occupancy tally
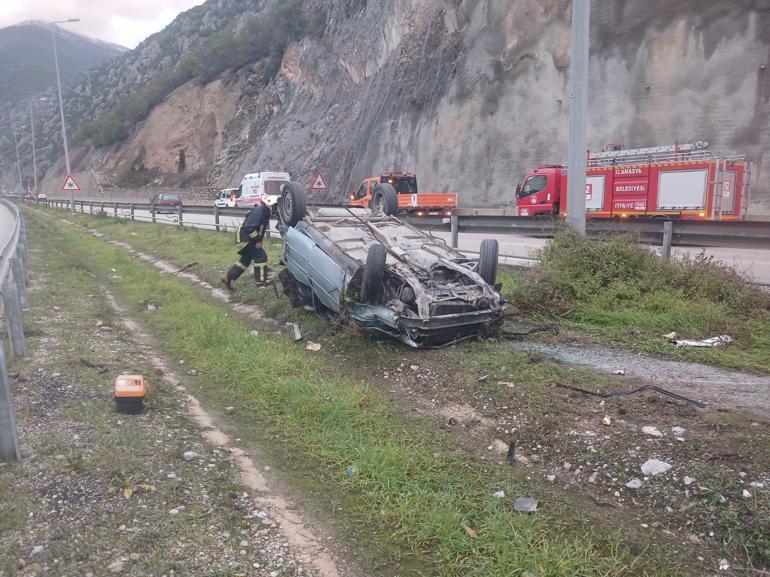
(260, 273)
(232, 274)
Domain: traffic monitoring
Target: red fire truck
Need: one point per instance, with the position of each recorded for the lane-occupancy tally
(683, 181)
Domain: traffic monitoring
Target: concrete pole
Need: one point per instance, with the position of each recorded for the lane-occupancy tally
(34, 155)
(578, 112)
(18, 165)
(9, 438)
(63, 125)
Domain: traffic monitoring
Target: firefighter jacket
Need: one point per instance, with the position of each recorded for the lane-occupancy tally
(255, 224)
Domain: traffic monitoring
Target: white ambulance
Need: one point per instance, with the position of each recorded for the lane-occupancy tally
(264, 185)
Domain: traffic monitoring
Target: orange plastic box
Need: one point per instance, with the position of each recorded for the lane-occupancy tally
(129, 393)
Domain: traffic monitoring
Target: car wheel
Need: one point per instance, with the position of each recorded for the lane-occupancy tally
(292, 206)
(488, 260)
(374, 272)
(384, 199)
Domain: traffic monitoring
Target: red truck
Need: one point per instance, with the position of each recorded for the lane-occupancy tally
(682, 181)
(409, 199)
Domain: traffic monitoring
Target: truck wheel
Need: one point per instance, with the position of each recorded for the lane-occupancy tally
(384, 199)
(488, 260)
(292, 206)
(374, 272)
(555, 209)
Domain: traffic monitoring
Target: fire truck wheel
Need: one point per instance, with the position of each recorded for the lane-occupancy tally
(488, 260)
(385, 199)
(292, 206)
(555, 209)
(374, 272)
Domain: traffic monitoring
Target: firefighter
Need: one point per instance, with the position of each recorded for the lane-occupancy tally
(250, 235)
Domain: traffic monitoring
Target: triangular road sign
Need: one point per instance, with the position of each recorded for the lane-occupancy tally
(319, 183)
(70, 184)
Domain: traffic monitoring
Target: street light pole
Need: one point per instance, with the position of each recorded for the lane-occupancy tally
(18, 163)
(61, 108)
(578, 111)
(34, 156)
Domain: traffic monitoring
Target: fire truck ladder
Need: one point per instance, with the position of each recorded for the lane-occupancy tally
(667, 153)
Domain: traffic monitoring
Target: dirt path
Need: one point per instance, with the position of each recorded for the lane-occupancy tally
(719, 388)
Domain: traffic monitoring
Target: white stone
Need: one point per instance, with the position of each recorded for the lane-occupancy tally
(651, 431)
(634, 483)
(654, 467)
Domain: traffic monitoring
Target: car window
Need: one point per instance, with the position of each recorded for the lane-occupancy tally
(534, 184)
(361, 192)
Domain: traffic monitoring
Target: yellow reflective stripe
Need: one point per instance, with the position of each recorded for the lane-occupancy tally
(239, 265)
(254, 234)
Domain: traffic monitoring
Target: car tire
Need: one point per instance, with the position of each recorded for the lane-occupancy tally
(488, 260)
(384, 199)
(374, 273)
(292, 205)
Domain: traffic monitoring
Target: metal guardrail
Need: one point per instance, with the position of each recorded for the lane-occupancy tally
(495, 220)
(13, 289)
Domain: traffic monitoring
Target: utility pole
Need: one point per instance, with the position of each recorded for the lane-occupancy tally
(578, 112)
(34, 156)
(61, 107)
(18, 164)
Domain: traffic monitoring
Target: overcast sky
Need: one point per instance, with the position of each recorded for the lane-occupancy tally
(124, 22)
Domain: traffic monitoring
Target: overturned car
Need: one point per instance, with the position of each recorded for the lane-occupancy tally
(387, 276)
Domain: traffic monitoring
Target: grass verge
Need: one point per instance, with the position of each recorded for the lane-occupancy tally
(400, 482)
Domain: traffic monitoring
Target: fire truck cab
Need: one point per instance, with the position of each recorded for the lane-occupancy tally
(682, 181)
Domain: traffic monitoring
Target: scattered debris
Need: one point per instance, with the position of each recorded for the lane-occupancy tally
(634, 483)
(187, 266)
(757, 485)
(619, 372)
(482, 378)
(651, 431)
(551, 478)
(654, 467)
(229, 409)
(117, 566)
(470, 532)
(689, 480)
(351, 471)
(190, 455)
(525, 505)
(295, 332)
(712, 342)
(593, 477)
(499, 494)
(254, 333)
(678, 431)
(151, 307)
(607, 420)
(670, 336)
(508, 384)
(311, 346)
(724, 565)
(414, 367)
(101, 368)
(605, 394)
(745, 494)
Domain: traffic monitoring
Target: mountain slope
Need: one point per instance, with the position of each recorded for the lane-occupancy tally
(27, 64)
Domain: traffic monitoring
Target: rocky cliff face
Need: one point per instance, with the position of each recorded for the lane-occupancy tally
(471, 94)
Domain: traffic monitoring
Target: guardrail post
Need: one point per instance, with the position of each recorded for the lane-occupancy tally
(216, 217)
(17, 266)
(101, 207)
(132, 211)
(91, 207)
(12, 309)
(179, 214)
(668, 235)
(454, 222)
(152, 211)
(9, 437)
(115, 209)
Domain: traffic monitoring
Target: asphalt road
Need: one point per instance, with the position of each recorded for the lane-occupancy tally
(7, 221)
(516, 249)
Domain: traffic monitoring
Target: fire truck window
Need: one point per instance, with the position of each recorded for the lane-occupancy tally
(534, 184)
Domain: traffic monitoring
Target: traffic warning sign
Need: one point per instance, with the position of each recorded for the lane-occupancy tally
(319, 183)
(70, 184)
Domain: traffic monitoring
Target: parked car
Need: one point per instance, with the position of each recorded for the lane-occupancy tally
(384, 274)
(166, 202)
(226, 198)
